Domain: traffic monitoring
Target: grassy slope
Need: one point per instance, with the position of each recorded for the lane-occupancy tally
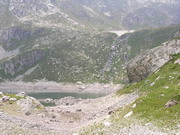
(150, 105)
(155, 94)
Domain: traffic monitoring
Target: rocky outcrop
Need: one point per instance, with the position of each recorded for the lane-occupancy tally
(29, 104)
(21, 62)
(151, 60)
(13, 36)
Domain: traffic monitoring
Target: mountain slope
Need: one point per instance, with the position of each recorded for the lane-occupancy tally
(72, 55)
(149, 114)
(93, 14)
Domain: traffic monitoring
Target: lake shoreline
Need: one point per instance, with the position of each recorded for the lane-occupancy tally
(44, 87)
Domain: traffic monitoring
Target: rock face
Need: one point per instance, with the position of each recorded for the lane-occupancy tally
(29, 104)
(148, 62)
(20, 63)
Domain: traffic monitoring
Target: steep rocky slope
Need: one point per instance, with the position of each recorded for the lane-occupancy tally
(151, 60)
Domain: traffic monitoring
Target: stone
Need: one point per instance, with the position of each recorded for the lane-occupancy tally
(78, 110)
(49, 100)
(107, 124)
(128, 114)
(111, 112)
(79, 83)
(171, 103)
(1, 93)
(75, 134)
(5, 98)
(177, 62)
(147, 124)
(12, 99)
(29, 104)
(21, 94)
(28, 113)
(166, 87)
(134, 106)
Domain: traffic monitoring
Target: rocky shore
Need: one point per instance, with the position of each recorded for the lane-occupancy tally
(66, 118)
(58, 87)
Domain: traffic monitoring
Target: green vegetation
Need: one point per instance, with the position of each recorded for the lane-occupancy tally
(82, 55)
(156, 91)
(12, 96)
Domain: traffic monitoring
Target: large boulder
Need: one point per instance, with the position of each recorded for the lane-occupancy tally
(151, 60)
(29, 104)
(5, 98)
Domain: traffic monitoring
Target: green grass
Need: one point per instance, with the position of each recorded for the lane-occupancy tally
(150, 106)
(153, 97)
(12, 96)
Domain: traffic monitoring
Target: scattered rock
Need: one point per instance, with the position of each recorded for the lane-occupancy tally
(166, 87)
(21, 94)
(28, 113)
(53, 116)
(107, 124)
(162, 95)
(111, 112)
(75, 134)
(177, 62)
(128, 114)
(171, 103)
(134, 106)
(29, 104)
(12, 99)
(5, 98)
(147, 124)
(78, 110)
(67, 101)
(79, 83)
(152, 84)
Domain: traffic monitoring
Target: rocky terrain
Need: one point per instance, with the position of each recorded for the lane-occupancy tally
(151, 60)
(72, 56)
(73, 40)
(28, 116)
(117, 14)
(124, 112)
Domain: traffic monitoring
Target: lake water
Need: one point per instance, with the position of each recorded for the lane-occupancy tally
(59, 95)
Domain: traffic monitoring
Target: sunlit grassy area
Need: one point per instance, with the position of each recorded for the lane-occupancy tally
(156, 91)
